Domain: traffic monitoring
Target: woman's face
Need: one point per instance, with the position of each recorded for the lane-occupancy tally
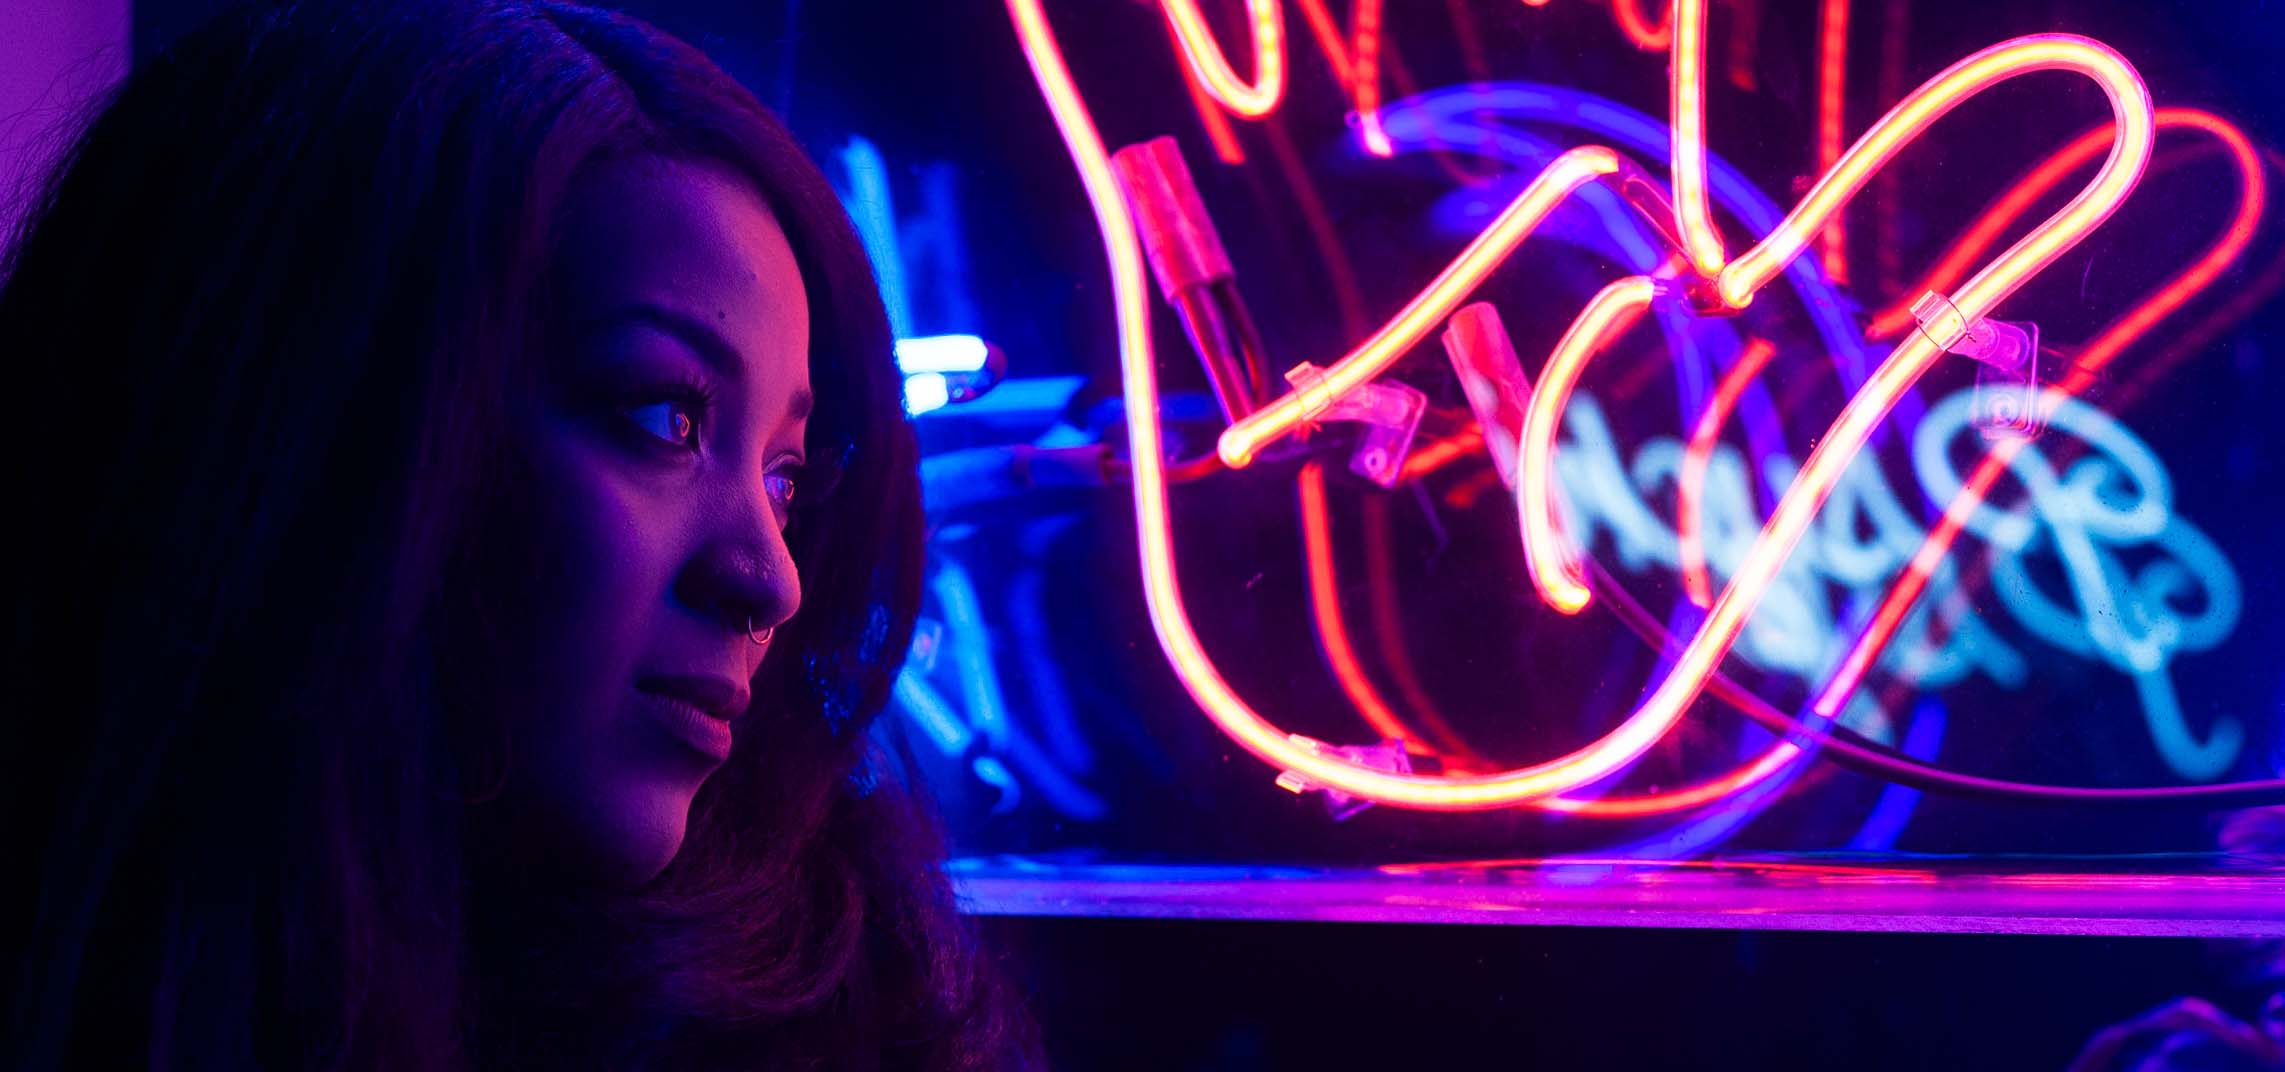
(662, 450)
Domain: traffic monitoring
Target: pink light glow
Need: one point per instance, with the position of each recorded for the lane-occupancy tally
(1304, 761)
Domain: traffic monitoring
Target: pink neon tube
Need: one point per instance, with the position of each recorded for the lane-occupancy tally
(2170, 296)
(2130, 103)
(1832, 96)
(1212, 66)
(1696, 663)
(2050, 173)
(1325, 608)
(1697, 457)
(1333, 634)
(1358, 71)
(1440, 453)
(1366, 88)
(1218, 132)
(1686, 99)
(1556, 577)
(1552, 572)
(1639, 30)
(1553, 566)
(1241, 441)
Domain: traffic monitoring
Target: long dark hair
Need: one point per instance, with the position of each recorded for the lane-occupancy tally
(263, 328)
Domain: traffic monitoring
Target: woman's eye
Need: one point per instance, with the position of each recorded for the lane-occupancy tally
(668, 422)
(781, 487)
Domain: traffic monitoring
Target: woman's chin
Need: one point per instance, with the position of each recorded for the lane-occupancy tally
(631, 847)
(616, 838)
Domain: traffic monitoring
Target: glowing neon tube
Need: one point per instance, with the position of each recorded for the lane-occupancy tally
(1555, 576)
(1325, 609)
(1686, 100)
(1548, 558)
(1366, 89)
(2130, 103)
(1357, 70)
(1639, 30)
(1241, 441)
(1703, 793)
(1218, 132)
(1697, 456)
(1161, 587)
(1442, 452)
(1333, 635)
(1832, 97)
(2050, 173)
(1848, 435)
(1211, 65)
(2170, 296)
(1664, 708)
(1328, 34)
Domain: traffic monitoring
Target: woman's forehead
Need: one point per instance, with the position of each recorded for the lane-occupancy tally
(695, 239)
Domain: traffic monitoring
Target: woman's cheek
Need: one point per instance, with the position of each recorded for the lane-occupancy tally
(610, 525)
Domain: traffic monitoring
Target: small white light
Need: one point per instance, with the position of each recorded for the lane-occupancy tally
(940, 353)
(924, 392)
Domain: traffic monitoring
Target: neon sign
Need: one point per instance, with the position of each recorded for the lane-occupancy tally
(1710, 282)
(2081, 520)
(1473, 117)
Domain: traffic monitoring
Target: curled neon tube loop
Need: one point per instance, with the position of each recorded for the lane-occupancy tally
(2130, 105)
(1212, 66)
(1696, 663)
(1551, 564)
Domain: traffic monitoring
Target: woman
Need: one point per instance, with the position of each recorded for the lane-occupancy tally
(468, 525)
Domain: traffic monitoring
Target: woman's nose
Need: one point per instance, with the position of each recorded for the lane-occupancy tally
(744, 575)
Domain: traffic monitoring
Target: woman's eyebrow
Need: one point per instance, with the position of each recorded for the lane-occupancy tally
(703, 340)
(693, 332)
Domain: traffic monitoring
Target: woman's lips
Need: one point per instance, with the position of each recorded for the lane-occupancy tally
(706, 734)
